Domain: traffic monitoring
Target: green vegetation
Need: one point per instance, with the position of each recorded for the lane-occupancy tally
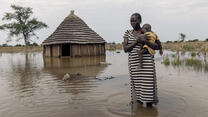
(173, 55)
(188, 48)
(195, 40)
(193, 62)
(118, 52)
(206, 67)
(176, 62)
(169, 41)
(166, 61)
(193, 54)
(182, 37)
(21, 25)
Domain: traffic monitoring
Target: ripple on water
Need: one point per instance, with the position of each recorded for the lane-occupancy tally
(171, 103)
(118, 104)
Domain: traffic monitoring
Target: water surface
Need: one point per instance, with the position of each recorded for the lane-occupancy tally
(32, 86)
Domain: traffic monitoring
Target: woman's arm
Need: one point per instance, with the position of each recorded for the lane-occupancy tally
(144, 40)
(128, 47)
(159, 44)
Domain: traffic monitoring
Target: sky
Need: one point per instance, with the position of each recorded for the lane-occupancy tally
(111, 18)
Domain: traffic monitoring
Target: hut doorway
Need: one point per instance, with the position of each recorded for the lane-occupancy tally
(66, 50)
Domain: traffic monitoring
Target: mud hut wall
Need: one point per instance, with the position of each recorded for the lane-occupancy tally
(80, 50)
(75, 50)
(56, 50)
(46, 51)
(84, 50)
(60, 50)
(87, 49)
(102, 49)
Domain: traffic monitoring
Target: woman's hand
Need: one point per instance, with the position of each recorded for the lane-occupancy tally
(142, 38)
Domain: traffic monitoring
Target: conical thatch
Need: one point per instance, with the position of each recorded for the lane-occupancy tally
(73, 30)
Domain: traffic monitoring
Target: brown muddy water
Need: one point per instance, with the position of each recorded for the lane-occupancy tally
(31, 86)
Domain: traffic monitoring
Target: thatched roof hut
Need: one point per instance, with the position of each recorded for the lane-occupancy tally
(73, 38)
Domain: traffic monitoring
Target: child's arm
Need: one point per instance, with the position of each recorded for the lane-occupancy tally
(159, 47)
(161, 52)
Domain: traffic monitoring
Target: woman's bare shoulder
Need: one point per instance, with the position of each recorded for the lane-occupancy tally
(127, 33)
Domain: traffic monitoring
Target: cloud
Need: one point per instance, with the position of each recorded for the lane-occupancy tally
(110, 18)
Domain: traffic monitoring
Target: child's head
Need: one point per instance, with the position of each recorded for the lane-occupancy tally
(146, 28)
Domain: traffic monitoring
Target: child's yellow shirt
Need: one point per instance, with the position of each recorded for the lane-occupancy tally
(153, 38)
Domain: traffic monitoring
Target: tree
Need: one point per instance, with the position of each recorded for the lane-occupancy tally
(21, 24)
(182, 37)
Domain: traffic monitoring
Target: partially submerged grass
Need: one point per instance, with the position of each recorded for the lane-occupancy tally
(176, 61)
(206, 67)
(173, 55)
(166, 61)
(193, 62)
(118, 52)
(193, 54)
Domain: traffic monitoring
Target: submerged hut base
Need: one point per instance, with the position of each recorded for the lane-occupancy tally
(72, 50)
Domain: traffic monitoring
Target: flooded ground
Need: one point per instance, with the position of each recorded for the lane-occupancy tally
(31, 86)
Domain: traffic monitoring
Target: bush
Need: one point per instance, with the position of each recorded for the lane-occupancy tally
(113, 43)
(18, 45)
(206, 39)
(169, 42)
(195, 40)
(34, 44)
(5, 45)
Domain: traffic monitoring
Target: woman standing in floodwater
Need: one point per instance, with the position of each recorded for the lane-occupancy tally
(143, 81)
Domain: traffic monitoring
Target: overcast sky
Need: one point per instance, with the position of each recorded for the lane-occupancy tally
(110, 18)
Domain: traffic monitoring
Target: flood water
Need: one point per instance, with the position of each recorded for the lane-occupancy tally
(32, 86)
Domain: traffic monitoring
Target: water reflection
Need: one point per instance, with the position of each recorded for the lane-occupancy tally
(23, 74)
(87, 66)
(140, 111)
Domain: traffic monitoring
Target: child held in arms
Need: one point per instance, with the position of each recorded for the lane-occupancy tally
(146, 29)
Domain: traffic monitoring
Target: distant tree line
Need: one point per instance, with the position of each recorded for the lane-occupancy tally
(19, 45)
(182, 39)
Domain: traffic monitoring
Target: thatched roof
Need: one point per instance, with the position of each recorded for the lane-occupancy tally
(73, 30)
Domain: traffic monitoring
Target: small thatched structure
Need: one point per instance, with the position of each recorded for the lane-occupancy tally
(73, 38)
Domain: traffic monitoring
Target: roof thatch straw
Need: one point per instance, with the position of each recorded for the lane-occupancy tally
(73, 30)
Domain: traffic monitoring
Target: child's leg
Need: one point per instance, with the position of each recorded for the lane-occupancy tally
(144, 50)
(140, 54)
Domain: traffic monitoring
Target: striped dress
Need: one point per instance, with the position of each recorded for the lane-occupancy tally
(143, 81)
